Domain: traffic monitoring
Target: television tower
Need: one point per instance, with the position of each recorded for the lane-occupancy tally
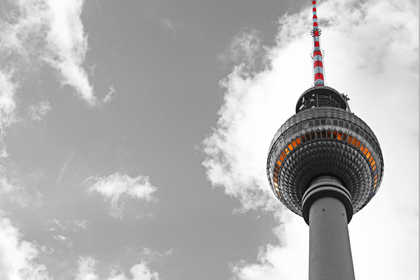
(325, 164)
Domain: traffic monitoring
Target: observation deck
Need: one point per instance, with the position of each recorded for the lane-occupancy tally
(324, 138)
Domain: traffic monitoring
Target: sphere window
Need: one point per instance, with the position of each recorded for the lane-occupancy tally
(365, 151)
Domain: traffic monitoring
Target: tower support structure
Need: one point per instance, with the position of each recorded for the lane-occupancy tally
(328, 205)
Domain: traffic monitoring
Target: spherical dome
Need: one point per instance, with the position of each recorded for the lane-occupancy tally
(324, 141)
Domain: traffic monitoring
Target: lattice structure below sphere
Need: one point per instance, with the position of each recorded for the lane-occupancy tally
(324, 141)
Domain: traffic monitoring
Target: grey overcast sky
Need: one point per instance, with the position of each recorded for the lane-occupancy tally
(134, 135)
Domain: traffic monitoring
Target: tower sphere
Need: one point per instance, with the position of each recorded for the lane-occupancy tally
(324, 138)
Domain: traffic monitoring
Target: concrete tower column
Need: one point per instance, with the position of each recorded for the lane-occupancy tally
(327, 208)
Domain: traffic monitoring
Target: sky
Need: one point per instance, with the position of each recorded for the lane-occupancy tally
(134, 135)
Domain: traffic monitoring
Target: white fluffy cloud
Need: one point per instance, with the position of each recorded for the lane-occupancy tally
(18, 257)
(34, 33)
(87, 269)
(47, 31)
(141, 271)
(371, 55)
(118, 187)
(37, 112)
(67, 43)
(12, 189)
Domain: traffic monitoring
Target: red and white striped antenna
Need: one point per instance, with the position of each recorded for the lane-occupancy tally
(317, 54)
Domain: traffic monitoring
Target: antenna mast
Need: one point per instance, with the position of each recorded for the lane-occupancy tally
(317, 52)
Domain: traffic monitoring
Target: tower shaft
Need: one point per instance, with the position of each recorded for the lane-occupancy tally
(329, 242)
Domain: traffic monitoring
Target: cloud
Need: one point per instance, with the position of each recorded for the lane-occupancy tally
(7, 105)
(13, 189)
(64, 168)
(245, 49)
(63, 239)
(39, 111)
(55, 225)
(141, 271)
(35, 33)
(68, 45)
(371, 55)
(167, 24)
(118, 187)
(18, 257)
(46, 31)
(110, 95)
(87, 269)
